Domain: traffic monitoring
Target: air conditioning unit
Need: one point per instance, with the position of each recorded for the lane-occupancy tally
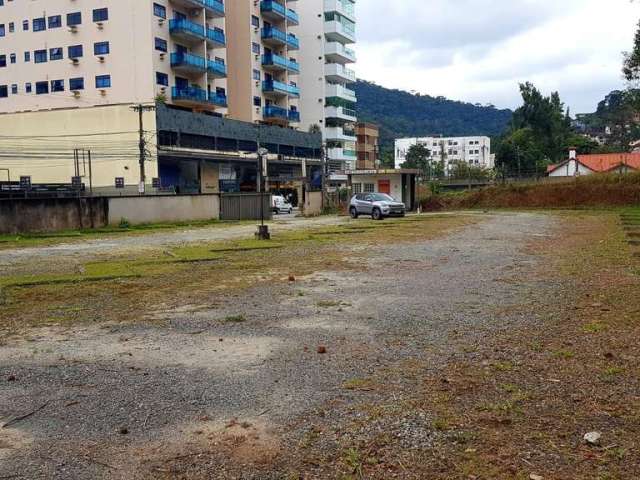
(101, 59)
(73, 29)
(103, 92)
(75, 61)
(161, 21)
(162, 55)
(75, 93)
(100, 25)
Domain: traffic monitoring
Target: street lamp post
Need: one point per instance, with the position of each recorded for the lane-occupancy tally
(263, 230)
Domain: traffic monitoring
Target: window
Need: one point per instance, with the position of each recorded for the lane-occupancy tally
(357, 188)
(39, 24)
(103, 81)
(162, 79)
(57, 85)
(101, 15)
(101, 48)
(27, 56)
(25, 25)
(369, 187)
(12, 27)
(2, 32)
(55, 54)
(75, 51)
(4, 91)
(161, 44)
(3, 60)
(40, 56)
(257, 101)
(55, 21)
(12, 58)
(76, 83)
(74, 18)
(255, 48)
(159, 11)
(255, 21)
(14, 89)
(27, 87)
(42, 88)
(256, 74)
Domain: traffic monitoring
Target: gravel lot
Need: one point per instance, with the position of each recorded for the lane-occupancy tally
(119, 402)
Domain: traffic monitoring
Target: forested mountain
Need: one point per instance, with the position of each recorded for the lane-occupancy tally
(403, 114)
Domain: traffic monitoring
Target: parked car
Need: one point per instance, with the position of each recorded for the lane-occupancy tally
(378, 205)
(280, 205)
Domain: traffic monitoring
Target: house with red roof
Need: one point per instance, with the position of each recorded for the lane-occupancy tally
(578, 165)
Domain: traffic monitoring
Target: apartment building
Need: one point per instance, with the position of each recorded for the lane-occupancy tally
(262, 64)
(367, 146)
(326, 100)
(475, 151)
(65, 54)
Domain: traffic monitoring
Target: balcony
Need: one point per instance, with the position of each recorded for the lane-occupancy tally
(343, 7)
(337, 53)
(342, 155)
(341, 113)
(339, 32)
(334, 72)
(280, 89)
(216, 69)
(213, 8)
(188, 63)
(274, 36)
(277, 63)
(215, 38)
(337, 134)
(197, 97)
(281, 115)
(341, 92)
(186, 31)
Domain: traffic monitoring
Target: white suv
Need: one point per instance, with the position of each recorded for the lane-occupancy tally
(378, 205)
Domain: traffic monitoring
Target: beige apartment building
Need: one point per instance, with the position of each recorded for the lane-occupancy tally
(367, 146)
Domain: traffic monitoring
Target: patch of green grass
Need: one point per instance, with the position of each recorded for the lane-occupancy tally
(328, 303)
(612, 372)
(359, 384)
(234, 319)
(564, 354)
(503, 366)
(441, 424)
(594, 327)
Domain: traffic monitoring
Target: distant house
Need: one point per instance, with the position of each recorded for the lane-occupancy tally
(588, 164)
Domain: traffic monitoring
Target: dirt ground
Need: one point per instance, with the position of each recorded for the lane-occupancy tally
(470, 346)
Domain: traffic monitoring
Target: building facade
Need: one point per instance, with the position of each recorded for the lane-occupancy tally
(475, 151)
(329, 103)
(367, 146)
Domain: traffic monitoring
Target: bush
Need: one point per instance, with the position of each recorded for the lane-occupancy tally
(124, 223)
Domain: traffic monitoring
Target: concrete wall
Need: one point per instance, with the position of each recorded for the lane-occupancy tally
(52, 214)
(312, 204)
(395, 180)
(140, 210)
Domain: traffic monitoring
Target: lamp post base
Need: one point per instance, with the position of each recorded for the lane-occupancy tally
(263, 233)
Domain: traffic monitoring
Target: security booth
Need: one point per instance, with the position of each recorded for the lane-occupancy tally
(398, 183)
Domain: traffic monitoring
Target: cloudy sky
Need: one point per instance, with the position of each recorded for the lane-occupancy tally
(479, 50)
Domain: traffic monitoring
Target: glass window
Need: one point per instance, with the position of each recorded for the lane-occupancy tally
(2, 31)
(12, 27)
(25, 25)
(369, 187)
(159, 11)
(14, 89)
(162, 79)
(76, 83)
(74, 18)
(55, 54)
(42, 88)
(40, 56)
(27, 56)
(55, 21)
(4, 91)
(103, 81)
(27, 87)
(12, 58)
(57, 85)
(3, 60)
(101, 48)
(161, 44)
(255, 21)
(75, 51)
(257, 101)
(357, 188)
(101, 15)
(255, 48)
(256, 74)
(39, 24)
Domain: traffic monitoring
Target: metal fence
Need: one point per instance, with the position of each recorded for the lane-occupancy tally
(245, 206)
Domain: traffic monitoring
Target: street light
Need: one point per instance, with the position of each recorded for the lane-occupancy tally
(263, 230)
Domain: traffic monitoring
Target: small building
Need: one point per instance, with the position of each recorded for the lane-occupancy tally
(367, 146)
(578, 165)
(399, 183)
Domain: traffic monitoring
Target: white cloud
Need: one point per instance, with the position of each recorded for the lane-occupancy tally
(479, 50)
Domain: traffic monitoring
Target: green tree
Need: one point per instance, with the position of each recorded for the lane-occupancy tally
(418, 157)
(631, 65)
(387, 158)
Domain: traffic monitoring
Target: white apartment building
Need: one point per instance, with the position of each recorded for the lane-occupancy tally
(326, 100)
(475, 151)
(65, 54)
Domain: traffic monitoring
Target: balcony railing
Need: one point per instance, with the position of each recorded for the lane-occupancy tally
(216, 36)
(294, 116)
(280, 87)
(272, 33)
(195, 62)
(198, 95)
(277, 60)
(215, 5)
(273, 7)
(292, 17)
(216, 68)
(273, 111)
(182, 25)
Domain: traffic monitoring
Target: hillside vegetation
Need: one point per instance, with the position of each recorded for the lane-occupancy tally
(403, 114)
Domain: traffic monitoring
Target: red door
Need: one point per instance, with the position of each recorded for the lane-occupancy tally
(384, 186)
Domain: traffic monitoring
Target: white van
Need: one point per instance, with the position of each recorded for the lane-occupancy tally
(280, 205)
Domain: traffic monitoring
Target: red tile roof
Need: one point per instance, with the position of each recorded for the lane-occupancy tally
(604, 162)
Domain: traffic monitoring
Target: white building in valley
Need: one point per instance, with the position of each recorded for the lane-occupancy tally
(475, 151)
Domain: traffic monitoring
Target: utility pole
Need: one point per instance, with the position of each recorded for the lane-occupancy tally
(142, 144)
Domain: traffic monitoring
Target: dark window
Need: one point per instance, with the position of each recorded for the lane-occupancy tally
(101, 15)
(27, 56)
(2, 31)
(162, 79)
(255, 21)
(27, 87)
(75, 51)
(55, 21)
(14, 89)
(42, 88)
(76, 84)
(12, 27)
(40, 56)
(25, 25)
(3, 60)
(4, 91)
(257, 101)
(161, 44)
(39, 24)
(57, 85)
(101, 48)
(12, 58)
(159, 11)
(55, 54)
(74, 19)
(255, 48)
(103, 81)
